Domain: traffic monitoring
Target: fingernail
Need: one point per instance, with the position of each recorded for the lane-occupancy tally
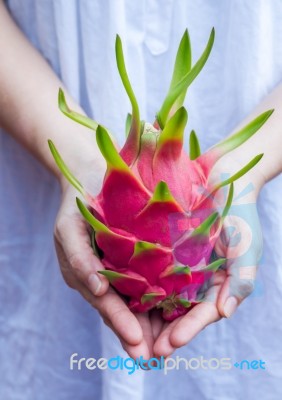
(94, 283)
(230, 306)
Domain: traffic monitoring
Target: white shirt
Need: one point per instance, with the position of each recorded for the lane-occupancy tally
(42, 321)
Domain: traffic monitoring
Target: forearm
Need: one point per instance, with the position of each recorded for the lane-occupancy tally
(28, 104)
(267, 140)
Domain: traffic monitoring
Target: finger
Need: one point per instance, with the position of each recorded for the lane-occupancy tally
(134, 351)
(137, 351)
(193, 323)
(115, 313)
(238, 285)
(200, 316)
(163, 346)
(124, 322)
(112, 308)
(243, 250)
(157, 323)
(72, 240)
(145, 323)
(185, 328)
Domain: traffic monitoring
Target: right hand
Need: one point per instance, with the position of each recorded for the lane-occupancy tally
(79, 267)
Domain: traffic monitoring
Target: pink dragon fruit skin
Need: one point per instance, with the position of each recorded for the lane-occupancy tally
(155, 220)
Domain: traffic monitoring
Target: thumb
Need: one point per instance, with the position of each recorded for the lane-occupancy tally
(243, 249)
(75, 254)
(239, 283)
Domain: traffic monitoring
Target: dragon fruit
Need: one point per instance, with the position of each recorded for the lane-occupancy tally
(155, 219)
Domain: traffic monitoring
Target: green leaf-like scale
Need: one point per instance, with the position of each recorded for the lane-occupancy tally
(204, 228)
(195, 150)
(94, 222)
(228, 201)
(108, 150)
(182, 66)
(240, 173)
(64, 169)
(112, 276)
(147, 297)
(185, 303)
(142, 247)
(215, 265)
(185, 82)
(244, 134)
(75, 116)
(132, 146)
(162, 194)
(174, 129)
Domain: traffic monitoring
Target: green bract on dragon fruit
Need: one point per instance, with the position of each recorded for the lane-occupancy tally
(154, 220)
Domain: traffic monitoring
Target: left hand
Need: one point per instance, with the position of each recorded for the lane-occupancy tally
(231, 285)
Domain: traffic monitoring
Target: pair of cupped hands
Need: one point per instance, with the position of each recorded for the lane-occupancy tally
(147, 334)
